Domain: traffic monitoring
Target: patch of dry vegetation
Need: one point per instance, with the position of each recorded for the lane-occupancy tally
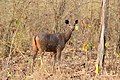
(21, 19)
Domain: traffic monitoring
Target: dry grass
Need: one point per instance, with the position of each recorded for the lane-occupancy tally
(21, 19)
(71, 68)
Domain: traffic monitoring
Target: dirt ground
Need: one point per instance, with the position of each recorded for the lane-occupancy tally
(74, 65)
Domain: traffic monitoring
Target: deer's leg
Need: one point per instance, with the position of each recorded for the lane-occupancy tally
(34, 54)
(41, 59)
(59, 54)
(41, 51)
(58, 57)
(34, 50)
(54, 59)
(54, 62)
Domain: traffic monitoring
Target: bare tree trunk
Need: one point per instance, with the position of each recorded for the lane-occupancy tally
(101, 47)
(118, 31)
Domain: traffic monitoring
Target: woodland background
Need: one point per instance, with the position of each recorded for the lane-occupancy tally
(21, 19)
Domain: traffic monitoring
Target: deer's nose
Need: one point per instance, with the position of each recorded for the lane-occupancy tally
(70, 26)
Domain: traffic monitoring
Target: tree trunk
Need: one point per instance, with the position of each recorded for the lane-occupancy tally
(101, 47)
(118, 31)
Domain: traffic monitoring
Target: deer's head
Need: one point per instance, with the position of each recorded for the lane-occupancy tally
(72, 27)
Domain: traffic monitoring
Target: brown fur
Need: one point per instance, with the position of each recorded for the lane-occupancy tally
(55, 43)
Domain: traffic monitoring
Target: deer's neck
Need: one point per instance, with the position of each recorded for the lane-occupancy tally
(68, 34)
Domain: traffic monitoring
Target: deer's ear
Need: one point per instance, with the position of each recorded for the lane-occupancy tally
(76, 21)
(66, 21)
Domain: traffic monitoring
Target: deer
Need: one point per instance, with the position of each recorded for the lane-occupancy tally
(46, 42)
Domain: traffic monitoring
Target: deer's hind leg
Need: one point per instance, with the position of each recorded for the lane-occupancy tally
(54, 62)
(41, 59)
(33, 59)
(34, 51)
(41, 50)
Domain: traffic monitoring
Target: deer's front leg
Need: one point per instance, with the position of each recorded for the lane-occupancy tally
(58, 55)
(54, 62)
(54, 59)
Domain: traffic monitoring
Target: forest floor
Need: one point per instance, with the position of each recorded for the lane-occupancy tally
(74, 65)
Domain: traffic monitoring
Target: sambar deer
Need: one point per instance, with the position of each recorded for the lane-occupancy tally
(55, 43)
